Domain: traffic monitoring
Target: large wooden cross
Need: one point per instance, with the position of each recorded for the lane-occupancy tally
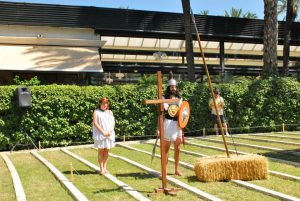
(160, 101)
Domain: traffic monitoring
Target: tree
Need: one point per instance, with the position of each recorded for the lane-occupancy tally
(250, 15)
(290, 6)
(282, 7)
(204, 12)
(234, 12)
(188, 39)
(270, 39)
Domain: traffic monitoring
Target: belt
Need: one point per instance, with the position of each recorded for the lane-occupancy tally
(171, 119)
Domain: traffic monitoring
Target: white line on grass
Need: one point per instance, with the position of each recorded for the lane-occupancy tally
(128, 189)
(70, 187)
(19, 190)
(172, 180)
(296, 164)
(239, 182)
(241, 144)
(275, 136)
(272, 193)
(275, 173)
(265, 140)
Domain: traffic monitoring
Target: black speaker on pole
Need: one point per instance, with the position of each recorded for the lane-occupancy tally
(24, 102)
(24, 97)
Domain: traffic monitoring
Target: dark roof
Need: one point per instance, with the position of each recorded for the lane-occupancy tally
(125, 22)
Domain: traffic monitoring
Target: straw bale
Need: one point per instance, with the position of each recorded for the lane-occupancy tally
(222, 168)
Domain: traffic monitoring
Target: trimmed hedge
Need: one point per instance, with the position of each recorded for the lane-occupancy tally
(62, 114)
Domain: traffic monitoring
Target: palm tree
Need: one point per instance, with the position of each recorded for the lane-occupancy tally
(203, 12)
(270, 39)
(234, 12)
(250, 15)
(188, 39)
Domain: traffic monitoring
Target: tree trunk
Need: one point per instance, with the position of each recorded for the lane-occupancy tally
(188, 39)
(270, 39)
(290, 17)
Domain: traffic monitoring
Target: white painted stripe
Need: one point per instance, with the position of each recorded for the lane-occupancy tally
(242, 144)
(265, 140)
(266, 191)
(181, 150)
(174, 181)
(128, 189)
(275, 173)
(278, 174)
(285, 176)
(239, 182)
(19, 190)
(290, 133)
(215, 148)
(296, 164)
(276, 136)
(156, 155)
(70, 187)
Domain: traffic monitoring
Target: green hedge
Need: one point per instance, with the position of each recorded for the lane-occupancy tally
(62, 115)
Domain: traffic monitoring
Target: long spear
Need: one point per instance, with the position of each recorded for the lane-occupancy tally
(209, 83)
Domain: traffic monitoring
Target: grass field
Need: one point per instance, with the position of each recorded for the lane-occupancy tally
(40, 184)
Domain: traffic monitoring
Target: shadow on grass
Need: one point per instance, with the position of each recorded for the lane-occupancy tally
(82, 172)
(117, 189)
(136, 175)
(292, 155)
(193, 179)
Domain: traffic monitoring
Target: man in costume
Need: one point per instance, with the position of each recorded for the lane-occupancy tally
(172, 131)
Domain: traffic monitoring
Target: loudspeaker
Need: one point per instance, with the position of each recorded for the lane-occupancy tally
(24, 97)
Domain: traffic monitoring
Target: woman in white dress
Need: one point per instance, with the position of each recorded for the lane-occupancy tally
(103, 132)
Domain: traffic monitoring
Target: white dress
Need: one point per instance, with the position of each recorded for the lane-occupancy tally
(171, 127)
(106, 120)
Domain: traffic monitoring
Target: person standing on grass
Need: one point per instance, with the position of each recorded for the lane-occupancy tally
(173, 133)
(220, 107)
(103, 132)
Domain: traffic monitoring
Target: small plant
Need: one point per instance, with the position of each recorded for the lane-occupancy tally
(32, 82)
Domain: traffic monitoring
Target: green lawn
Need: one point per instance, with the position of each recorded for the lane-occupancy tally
(40, 184)
(88, 181)
(6, 186)
(222, 190)
(140, 180)
(274, 154)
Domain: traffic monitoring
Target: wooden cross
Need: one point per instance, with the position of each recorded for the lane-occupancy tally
(160, 102)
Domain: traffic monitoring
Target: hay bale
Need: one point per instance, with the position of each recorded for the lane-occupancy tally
(242, 167)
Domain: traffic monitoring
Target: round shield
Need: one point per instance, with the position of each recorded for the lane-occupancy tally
(183, 114)
(173, 110)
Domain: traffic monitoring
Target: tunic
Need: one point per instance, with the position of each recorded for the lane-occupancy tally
(171, 127)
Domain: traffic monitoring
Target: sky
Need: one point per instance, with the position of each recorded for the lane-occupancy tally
(215, 7)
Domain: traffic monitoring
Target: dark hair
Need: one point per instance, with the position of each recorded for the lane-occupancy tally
(103, 100)
(216, 91)
(168, 92)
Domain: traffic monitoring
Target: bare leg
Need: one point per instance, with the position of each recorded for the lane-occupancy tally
(100, 160)
(216, 129)
(225, 128)
(105, 158)
(167, 148)
(176, 156)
